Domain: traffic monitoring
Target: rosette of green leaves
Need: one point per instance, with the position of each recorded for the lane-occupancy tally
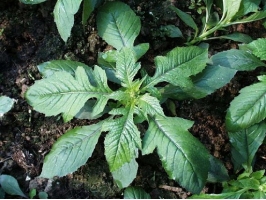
(68, 86)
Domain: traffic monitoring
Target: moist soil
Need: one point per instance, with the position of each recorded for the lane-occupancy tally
(28, 37)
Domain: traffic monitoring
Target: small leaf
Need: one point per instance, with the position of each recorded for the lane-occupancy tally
(257, 47)
(10, 185)
(71, 151)
(6, 104)
(126, 174)
(247, 108)
(43, 195)
(126, 66)
(64, 12)
(135, 193)
(32, 193)
(238, 37)
(245, 144)
(237, 59)
(183, 157)
(117, 24)
(178, 65)
(172, 31)
(32, 1)
(186, 18)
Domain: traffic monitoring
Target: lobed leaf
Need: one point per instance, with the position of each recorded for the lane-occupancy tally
(248, 108)
(244, 145)
(71, 151)
(63, 93)
(184, 158)
(117, 24)
(64, 12)
(123, 140)
(178, 65)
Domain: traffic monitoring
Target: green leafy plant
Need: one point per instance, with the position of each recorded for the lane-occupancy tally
(64, 12)
(249, 184)
(236, 12)
(6, 103)
(74, 89)
(10, 186)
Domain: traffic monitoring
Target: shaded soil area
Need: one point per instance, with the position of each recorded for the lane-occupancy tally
(28, 37)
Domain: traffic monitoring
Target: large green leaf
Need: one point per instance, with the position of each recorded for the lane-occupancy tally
(248, 108)
(63, 93)
(118, 25)
(10, 185)
(184, 158)
(71, 151)
(178, 65)
(126, 66)
(6, 104)
(64, 12)
(123, 140)
(257, 47)
(135, 193)
(237, 59)
(245, 144)
(204, 83)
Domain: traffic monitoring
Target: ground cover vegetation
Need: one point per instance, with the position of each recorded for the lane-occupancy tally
(118, 96)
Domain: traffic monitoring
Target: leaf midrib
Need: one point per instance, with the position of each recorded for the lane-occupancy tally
(154, 79)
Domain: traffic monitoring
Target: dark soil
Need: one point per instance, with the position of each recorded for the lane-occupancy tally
(28, 37)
